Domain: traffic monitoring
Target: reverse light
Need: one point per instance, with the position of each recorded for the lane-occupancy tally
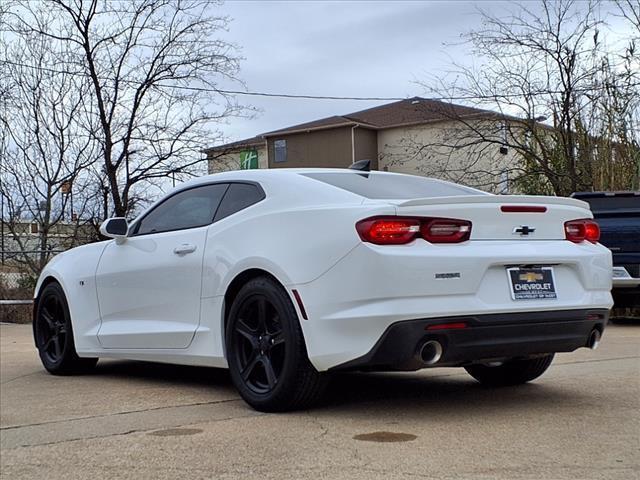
(402, 230)
(582, 229)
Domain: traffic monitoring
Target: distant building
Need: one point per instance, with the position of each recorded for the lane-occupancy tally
(416, 135)
(24, 236)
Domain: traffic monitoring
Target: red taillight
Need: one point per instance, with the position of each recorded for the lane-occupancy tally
(402, 230)
(580, 230)
(388, 230)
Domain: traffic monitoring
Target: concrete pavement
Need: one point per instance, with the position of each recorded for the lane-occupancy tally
(141, 420)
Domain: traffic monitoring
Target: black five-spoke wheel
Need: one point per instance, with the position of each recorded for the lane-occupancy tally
(54, 335)
(266, 351)
(259, 344)
(52, 328)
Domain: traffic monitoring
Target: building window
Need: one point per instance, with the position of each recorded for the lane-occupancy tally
(280, 151)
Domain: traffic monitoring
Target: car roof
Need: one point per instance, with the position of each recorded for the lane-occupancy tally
(277, 173)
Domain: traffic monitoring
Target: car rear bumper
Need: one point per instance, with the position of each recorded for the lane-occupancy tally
(488, 337)
(354, 303)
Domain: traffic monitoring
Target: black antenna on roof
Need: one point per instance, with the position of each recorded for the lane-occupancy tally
(362, 165)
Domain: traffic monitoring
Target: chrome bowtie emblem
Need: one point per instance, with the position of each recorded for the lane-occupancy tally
(523, 230)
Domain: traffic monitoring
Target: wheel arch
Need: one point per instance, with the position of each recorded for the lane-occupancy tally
(48, 279)
(234, 288)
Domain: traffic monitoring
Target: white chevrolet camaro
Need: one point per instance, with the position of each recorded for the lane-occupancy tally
(285, 275)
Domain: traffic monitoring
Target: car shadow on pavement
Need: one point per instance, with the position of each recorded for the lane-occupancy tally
(349, 392)
(164, 373)
(413, 392)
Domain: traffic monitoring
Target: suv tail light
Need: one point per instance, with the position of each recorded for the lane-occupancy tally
(401, 230)
(584, 229)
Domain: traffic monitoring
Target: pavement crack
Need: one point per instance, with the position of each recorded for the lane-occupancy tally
(128, 432)
(20, 376)
(597, 360)
(90, 417)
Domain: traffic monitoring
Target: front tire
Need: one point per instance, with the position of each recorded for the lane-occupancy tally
(512, 372)
(266, 352)
(53, 334)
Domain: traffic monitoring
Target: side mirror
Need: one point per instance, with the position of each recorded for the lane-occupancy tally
(116, 227)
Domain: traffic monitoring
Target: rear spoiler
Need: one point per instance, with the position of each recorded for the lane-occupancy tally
(497, 199)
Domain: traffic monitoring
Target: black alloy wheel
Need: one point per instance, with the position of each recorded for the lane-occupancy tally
(53, 334)
(52, 328)
(266, 351)
(259, 344)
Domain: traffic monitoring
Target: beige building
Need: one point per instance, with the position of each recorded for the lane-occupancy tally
(417, 135)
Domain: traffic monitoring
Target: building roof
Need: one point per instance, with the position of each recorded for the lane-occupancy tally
(248, 142)
(412, 111)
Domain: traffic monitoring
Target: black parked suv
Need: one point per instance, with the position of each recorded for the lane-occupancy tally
(618, 214)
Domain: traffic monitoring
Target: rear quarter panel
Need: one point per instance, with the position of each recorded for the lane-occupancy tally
(301, 229)
(295, 246)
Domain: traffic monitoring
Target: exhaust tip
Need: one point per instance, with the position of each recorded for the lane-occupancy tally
(594, 339)
(431, 352)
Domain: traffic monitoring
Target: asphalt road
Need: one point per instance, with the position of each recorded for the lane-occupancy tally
(141, 420)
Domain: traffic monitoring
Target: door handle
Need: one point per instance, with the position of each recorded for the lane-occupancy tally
(184, 249)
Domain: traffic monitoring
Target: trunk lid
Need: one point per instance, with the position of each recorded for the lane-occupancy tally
(488, 220)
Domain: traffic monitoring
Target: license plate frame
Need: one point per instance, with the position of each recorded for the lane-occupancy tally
(532, 283)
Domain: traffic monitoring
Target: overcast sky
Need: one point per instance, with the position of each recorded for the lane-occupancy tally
(357, 48)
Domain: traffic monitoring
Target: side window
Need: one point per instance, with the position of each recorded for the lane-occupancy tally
(238, 197)
(192, 208)
(279, 151)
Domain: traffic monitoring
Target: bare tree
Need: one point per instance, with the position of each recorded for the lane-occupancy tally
(153, 67)
(542, 62)
(630, 10)
(44, 156)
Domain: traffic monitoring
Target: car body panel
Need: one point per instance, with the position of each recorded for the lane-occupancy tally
(75, 271)
(356, 317)
(130, 277)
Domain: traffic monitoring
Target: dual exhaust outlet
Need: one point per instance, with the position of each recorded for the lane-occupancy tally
(594, 339)
(431, 351)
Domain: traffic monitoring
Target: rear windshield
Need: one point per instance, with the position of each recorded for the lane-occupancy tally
(380, 185)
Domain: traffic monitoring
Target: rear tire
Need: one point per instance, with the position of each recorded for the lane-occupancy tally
(512, 372)
(53, 334)
(266, 352)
